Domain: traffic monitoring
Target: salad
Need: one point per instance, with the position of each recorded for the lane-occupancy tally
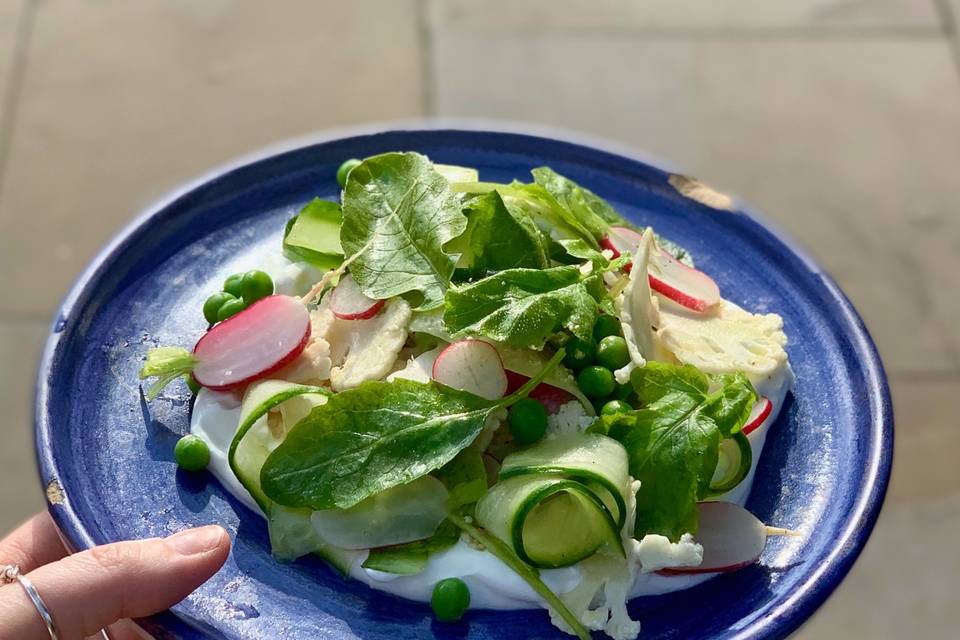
(485, 395)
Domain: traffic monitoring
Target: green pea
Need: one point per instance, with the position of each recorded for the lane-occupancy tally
(256, 285)
(191, 453)
(230, 308)
(345, 170)
(193, 385)
(596, 382)
(612, 352)
(450, 599)
(613, 407)
(212, 306)
(605, 326)
(234, 285)
(528, 421)
(580, 353)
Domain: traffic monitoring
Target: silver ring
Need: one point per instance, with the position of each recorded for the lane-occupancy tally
(11, 573)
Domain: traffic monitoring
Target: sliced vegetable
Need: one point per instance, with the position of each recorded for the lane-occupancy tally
(292, 535)
(732, 538)
(400, 514)
(594, 460)
(684, 285)
(761, 411)
(313, 235)
(473, 366)
(558, 388)
(549, 521)
(348, 302)
(637, 313)
(733, 464)
(252, 344)
(412, 558)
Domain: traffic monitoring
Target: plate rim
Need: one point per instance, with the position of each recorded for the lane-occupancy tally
(780, 621)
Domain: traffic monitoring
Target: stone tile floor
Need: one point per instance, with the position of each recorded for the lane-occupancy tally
(840, 119)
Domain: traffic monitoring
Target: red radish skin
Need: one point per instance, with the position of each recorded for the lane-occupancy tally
(263, 338)
(471, 365)
(731, 536)
(761, 411)
(348, 302)
(551, 397)
(669, 277)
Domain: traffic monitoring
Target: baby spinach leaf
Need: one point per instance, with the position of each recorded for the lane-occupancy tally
(673, 440)
(398, 213)
(499, 239)
(522, 307)
(377, 436)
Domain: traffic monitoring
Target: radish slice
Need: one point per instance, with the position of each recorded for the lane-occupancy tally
(474, 366)
(551, 397)
(621, 240)
(761, 411)
(684, 285)
(731, 536)
(348, 302)
(668, 276)
(252, 344)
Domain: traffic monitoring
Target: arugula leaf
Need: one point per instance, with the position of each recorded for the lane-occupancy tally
(673, 440)
(522, 307)
(591, 210)
(398, 213)
(377, 436)
(499, 239)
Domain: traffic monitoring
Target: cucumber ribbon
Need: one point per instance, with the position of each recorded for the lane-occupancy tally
(560, 501)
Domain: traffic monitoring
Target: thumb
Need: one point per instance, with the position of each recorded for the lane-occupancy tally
(93, 589)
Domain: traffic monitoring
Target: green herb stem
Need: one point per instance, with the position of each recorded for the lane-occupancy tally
(530, 575)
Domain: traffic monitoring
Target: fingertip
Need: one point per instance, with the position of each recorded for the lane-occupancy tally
(201, 540)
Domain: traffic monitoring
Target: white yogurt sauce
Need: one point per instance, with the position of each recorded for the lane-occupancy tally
(492, 584)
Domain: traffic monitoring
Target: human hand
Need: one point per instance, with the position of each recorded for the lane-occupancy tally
(102, 587)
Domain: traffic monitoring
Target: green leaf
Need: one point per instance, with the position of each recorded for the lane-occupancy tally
(398, 215)
(522, 307)
(313, 235)
(412, 557)
(499, 239)
(465, 478)
(673, 440)
(377, 436)
(535, 201)
(591, 210)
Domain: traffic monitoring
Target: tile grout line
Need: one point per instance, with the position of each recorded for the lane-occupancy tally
(428, 94)
(796, 33)
(11, 101)
(948, 26)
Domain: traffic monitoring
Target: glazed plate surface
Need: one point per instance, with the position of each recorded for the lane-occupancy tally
(106, 457)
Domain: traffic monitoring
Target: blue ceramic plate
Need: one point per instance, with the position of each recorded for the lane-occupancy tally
(106, 458)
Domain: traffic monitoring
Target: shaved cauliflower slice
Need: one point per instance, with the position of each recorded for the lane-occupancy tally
(419, 369)
(312, 366)
(362, 350)
(637, 311)
(726, 341)
(600, 600)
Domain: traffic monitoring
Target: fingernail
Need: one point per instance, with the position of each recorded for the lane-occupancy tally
(194, 541)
